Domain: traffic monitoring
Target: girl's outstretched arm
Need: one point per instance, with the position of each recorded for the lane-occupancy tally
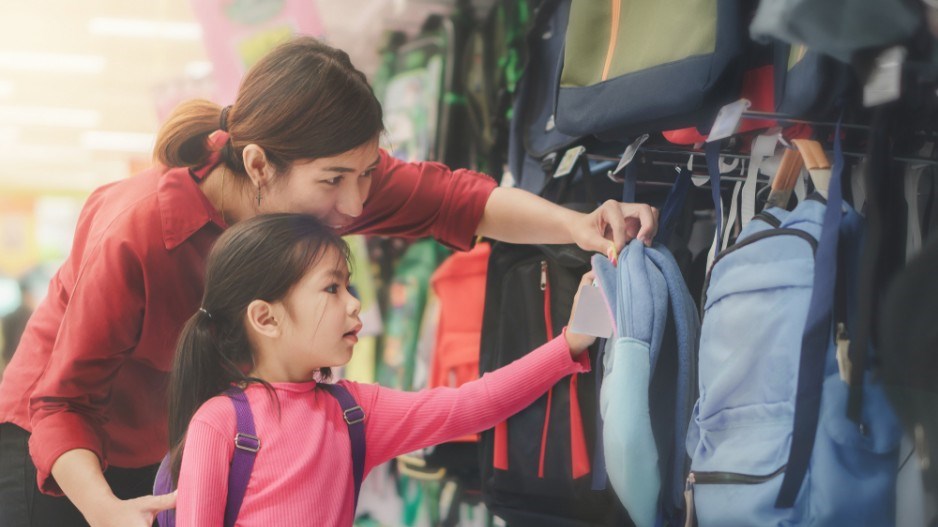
(398, 422)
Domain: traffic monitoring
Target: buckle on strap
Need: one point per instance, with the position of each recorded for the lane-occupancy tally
(247, 442)
(357, 415)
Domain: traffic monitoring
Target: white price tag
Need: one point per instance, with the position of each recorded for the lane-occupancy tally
(727, 120)
(885, 81)
(629, 153)
(569, 161)
(590, 314)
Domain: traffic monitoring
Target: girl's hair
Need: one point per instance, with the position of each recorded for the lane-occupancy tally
(260, 258)
(303, 100)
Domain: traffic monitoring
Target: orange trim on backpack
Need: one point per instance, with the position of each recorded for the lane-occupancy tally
(500, 455)
(578, 454)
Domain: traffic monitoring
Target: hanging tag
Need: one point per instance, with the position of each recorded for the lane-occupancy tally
(629, 153)
(568, 161)
(550, 124)
(508, 179)
(885, 81)
(727, 120)
(590, 315)
(843, 357)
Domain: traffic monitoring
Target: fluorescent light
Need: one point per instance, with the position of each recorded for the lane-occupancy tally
(198, 69)
(51, 62)
(118, 141)
(8, 135)
(35, 153)
(48, 116)
(142, 28)
(6, 88)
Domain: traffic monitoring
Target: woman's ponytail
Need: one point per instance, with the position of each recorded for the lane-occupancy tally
(181, 141)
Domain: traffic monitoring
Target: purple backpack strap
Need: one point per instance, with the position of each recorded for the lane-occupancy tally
(242, 462)
(354, 418)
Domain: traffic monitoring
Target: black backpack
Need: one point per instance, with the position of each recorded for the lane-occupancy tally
(529, 296)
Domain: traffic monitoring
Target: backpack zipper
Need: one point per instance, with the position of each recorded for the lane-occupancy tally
(729, 478)
(768, 218)
(753, 239)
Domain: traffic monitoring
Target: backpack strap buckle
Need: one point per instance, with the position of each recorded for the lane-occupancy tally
(248, 442)
(354, 415)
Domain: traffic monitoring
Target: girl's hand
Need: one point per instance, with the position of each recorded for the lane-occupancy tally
(138, 512)
(578, 341)
(617, 223)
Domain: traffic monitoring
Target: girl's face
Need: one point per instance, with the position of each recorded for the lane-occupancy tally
(320, 320)
(332, 189)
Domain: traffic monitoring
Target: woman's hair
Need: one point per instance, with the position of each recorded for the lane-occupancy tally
(260, 258)
(303, 100)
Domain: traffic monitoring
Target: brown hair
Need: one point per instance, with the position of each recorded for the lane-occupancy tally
(303, 100)
(259, 258)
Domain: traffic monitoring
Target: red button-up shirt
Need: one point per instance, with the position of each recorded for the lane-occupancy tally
(91, 369)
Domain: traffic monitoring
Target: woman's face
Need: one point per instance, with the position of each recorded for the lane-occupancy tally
(332, 189)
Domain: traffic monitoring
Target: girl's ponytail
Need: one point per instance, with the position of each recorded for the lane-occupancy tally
(200, 372)
(181, 141)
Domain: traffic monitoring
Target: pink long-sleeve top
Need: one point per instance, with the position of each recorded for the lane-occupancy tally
(303, 472)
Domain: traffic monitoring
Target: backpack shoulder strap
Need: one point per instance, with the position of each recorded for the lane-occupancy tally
(355, 419)
(242, 462)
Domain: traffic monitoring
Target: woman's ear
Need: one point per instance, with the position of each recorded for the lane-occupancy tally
(258, 167)
(261, 318)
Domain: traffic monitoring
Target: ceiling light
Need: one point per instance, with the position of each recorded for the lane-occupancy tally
(54, 62)
(118, 141)
(8, 135)
(34, 153)
(142, 28)
(48, 116)
(198, 69)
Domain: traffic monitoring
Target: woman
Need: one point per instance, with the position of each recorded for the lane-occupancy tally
(86, 389)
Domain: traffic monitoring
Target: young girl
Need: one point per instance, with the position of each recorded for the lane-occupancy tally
(275, 317)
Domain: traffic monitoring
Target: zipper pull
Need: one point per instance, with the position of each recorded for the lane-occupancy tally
(690, 514)
(543, 275)
(843, 357)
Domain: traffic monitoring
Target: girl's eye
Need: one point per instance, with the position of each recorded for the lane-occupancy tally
(333, 182)
(332, 289)
(367, 173)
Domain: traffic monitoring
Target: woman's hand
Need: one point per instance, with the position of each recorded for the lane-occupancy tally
(578, 341)
(131, 513)
(617, 223)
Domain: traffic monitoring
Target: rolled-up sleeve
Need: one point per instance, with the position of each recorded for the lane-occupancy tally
(414, 200)
(100, 327)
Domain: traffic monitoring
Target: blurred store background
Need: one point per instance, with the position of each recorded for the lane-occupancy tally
(84, 86)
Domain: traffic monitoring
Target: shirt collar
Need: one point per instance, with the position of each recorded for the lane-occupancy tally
(184, 209)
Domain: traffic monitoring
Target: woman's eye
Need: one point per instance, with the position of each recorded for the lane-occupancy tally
(333, 289)
(334, 181)
(367, 173)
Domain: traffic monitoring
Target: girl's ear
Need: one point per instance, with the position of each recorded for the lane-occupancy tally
(262, 318)
(257, 166)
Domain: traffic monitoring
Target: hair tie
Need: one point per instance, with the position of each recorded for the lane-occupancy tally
(223, 121)
(205, 312)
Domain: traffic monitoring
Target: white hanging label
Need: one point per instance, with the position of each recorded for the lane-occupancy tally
(885, 81)
(728, 119)
(629, 153)
(590, 314)
(569, 161)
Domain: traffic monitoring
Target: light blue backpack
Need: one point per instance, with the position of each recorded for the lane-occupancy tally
(647, 387)
(770, 441)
